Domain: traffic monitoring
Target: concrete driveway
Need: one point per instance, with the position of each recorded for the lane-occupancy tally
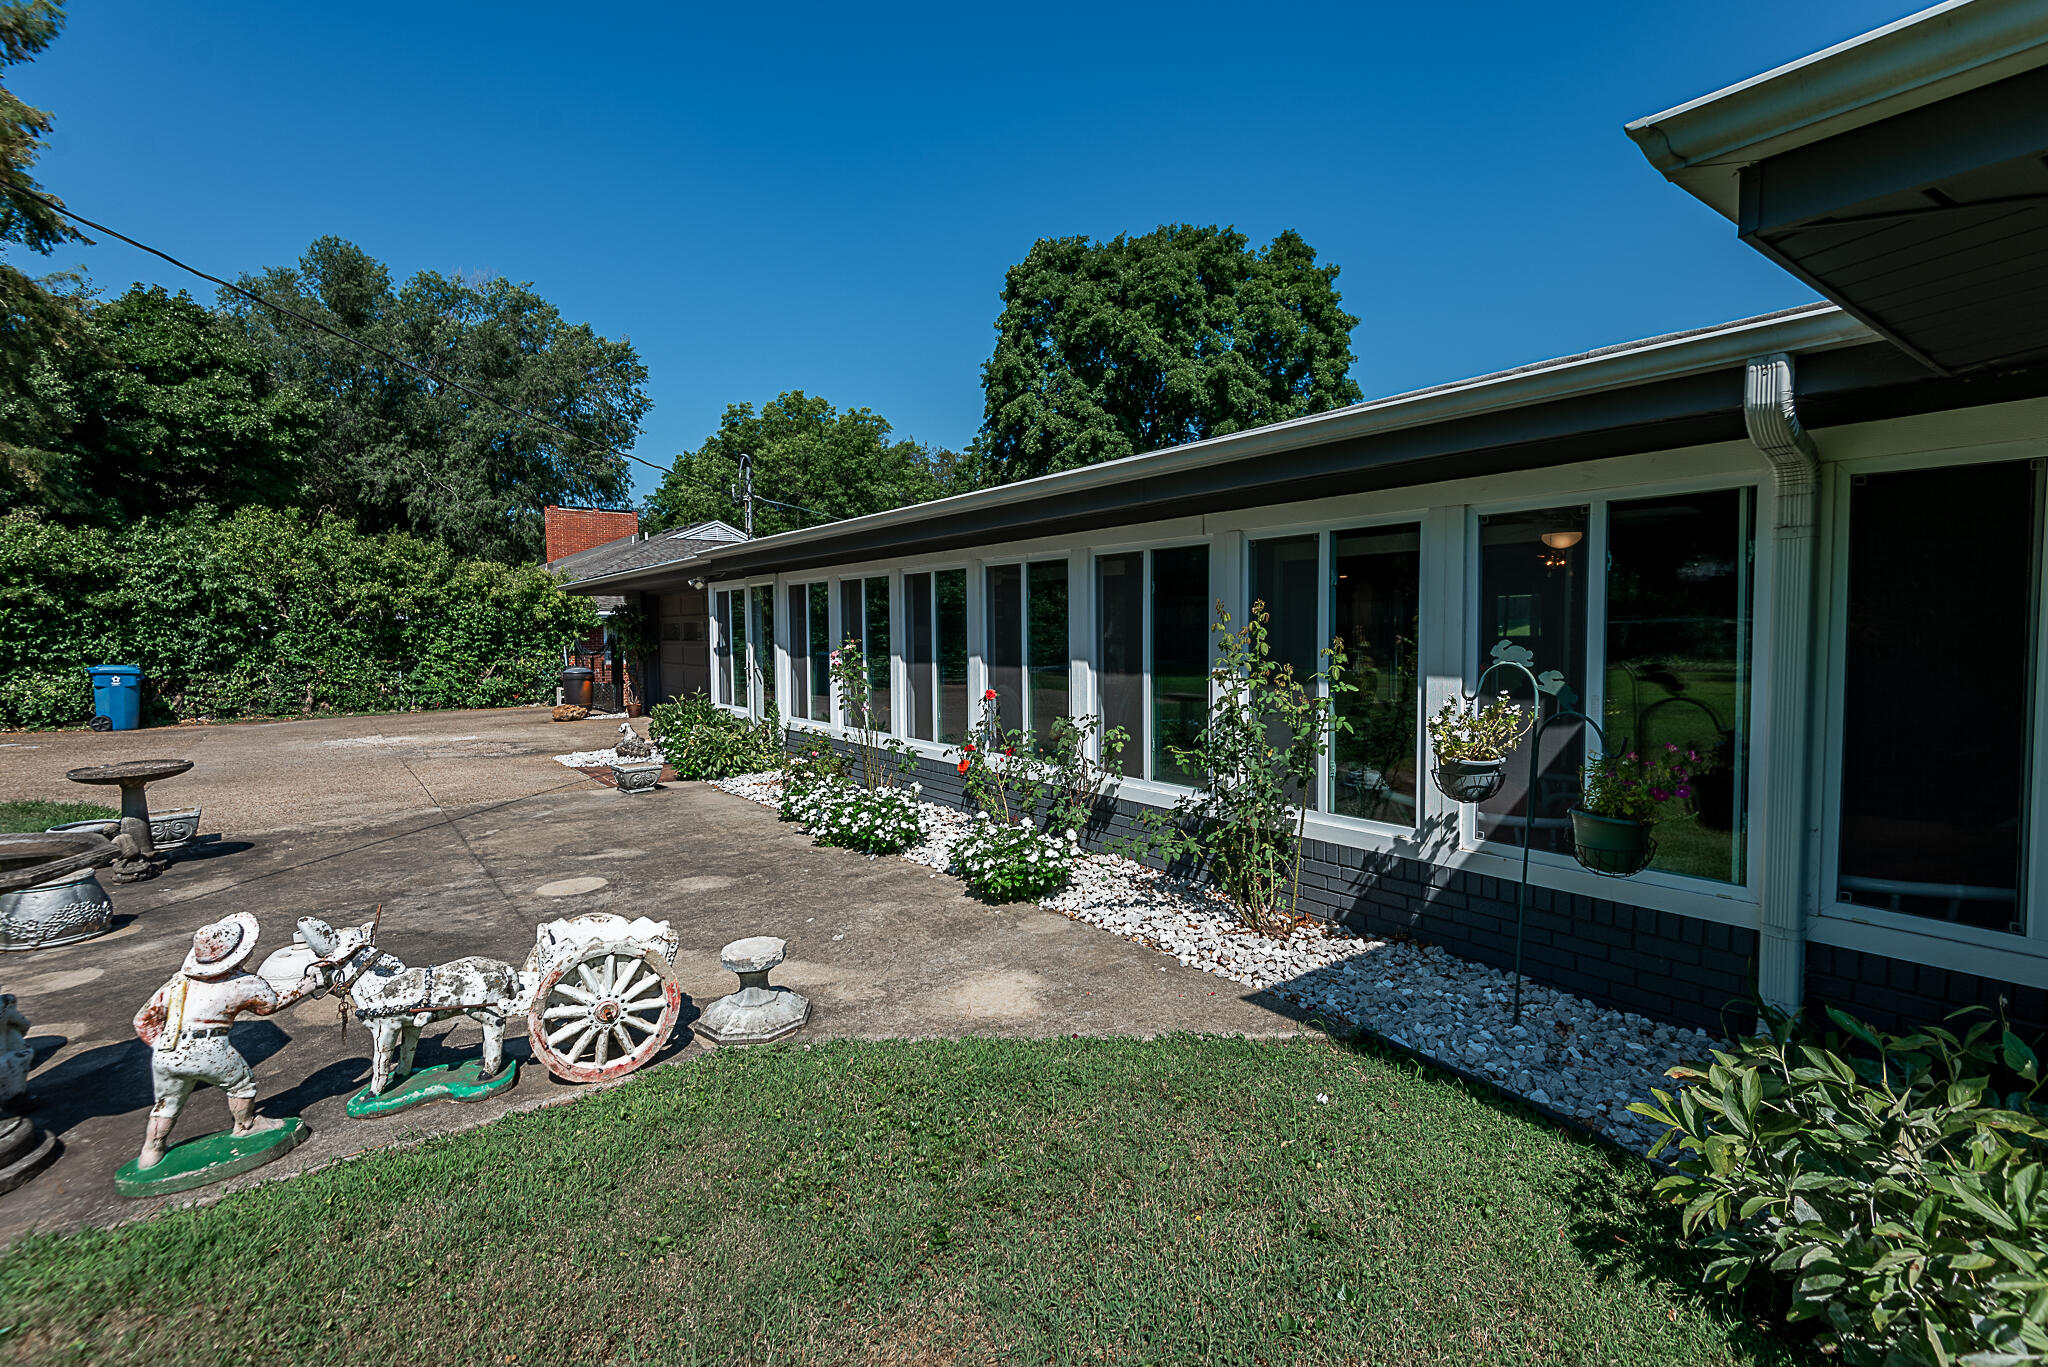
(455, 823)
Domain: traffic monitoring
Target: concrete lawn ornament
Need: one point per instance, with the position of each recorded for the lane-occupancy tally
(185, 1023)
(395, 1002)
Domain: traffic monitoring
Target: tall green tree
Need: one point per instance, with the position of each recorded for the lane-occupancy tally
(34, 321)
(399, 452)
(806, 452)
(1109, 349)
(171, 409)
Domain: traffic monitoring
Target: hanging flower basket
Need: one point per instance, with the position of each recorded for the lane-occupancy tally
(1617, 847)
(1469, 780)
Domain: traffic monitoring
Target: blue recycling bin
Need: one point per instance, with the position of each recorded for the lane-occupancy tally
(117, 695)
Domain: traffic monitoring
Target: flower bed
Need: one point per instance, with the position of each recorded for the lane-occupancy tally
(1587, 1061)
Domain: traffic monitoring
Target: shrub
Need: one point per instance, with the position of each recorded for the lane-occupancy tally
(1897, 1188)
(805, 770)
(701, 741)
(46, 700)
(273, 613)
(840, 812)
(1003, 862)
(1267, 732)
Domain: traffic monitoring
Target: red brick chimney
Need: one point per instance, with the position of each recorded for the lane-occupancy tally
(570, 530)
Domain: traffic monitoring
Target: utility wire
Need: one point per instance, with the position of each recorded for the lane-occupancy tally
(392, 357)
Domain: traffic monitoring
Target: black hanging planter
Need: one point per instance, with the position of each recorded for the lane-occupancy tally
(1616, 847)
(1469, 780)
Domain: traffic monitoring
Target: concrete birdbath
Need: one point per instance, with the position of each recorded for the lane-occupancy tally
(133, 777)
(48, 895)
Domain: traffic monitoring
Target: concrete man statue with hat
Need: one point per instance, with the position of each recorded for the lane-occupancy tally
(186, 1023)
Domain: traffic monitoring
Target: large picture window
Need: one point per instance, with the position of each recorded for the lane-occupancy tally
(1375, 604)
(1284, 582)
(1937, 689)
(1533, 574)
(1678, 660)
(864, 622)
(920, 665)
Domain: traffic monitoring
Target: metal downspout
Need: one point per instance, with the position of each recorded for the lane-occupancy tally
(1773, 424)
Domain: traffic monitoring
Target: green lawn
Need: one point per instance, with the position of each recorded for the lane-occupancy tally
(1183, 1200)
(38, 815)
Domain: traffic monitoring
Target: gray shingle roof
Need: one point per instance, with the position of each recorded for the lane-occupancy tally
(640, 553)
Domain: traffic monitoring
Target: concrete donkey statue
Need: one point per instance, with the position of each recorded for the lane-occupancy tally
(395, 1001)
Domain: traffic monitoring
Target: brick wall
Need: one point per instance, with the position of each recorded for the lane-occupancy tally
(570, 530)
(1670, 968)
(1896, 995)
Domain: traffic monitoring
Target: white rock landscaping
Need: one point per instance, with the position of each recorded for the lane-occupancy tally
(1583, 1060)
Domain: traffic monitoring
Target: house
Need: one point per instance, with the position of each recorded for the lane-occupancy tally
(587, 543)
(1808, 544)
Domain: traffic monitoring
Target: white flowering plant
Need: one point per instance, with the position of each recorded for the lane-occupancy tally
(1005, 862)
(841, 812)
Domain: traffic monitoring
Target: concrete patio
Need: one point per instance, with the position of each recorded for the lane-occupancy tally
(454, 823)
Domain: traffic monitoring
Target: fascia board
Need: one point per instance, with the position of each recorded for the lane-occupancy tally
(1818, 328)
(1702, 145)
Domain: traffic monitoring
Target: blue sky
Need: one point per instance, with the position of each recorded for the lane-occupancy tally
(826, 198)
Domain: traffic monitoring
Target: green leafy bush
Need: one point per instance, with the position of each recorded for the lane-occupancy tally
(701, 741)
(1897, 1187)
(45, 700)
(272, 613)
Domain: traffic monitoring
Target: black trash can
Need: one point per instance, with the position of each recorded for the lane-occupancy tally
(576, 685)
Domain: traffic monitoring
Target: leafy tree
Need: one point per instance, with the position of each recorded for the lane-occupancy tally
(1109, 349)
(399, 452)
(33, 320)
(807, 453)
(171, 408)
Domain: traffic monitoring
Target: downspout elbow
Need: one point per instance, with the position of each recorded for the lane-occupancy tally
(1771, 416)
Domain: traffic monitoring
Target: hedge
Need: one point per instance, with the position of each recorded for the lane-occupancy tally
(269, 613)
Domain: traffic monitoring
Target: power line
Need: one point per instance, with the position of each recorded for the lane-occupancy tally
(392, 357)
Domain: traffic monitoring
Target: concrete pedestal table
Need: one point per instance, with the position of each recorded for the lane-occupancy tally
(133, 776)
(757, 1012)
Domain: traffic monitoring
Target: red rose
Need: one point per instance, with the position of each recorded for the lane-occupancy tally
(963, 766)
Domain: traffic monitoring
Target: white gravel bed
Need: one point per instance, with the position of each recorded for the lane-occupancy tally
(1583, 1060)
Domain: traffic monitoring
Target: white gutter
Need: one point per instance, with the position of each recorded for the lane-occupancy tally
(1818, 327)
(1702, 145)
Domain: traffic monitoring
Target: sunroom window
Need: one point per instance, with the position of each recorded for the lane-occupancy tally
(1180, 657)
(864, 621)
(1375, 603)
(762, 634)
(1120, 652)
(1533, 574)
(810, 651)
(722, 649)
(935, 654)
(1937, 689)
(1678, 661)
(1026, 649)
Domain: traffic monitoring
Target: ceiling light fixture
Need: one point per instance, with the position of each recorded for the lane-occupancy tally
(1562, 541)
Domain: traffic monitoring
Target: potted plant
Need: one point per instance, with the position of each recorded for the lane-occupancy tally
(1624, 796)
(1472, 744)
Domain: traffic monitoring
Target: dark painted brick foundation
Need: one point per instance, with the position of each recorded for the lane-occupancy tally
(1895, 995)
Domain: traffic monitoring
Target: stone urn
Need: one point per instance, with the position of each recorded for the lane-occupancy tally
(636, 776)
(48, 894)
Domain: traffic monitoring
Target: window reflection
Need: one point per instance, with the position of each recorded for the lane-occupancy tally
(1374, 602)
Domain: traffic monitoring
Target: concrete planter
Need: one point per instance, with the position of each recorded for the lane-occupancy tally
(167, 830)
(637, 777)
(63, 911)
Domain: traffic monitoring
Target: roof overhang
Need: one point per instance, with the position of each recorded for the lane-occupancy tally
(1903, 174)
(1660, 394)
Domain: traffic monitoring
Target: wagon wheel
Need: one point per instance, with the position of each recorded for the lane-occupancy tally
(605, 1012)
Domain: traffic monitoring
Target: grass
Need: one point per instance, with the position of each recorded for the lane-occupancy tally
(1180, 1200)
(38, 815)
